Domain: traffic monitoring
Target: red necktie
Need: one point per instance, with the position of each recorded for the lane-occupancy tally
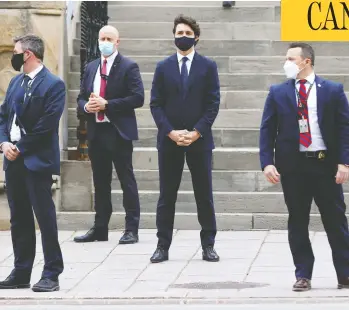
(103, 88)
(305, 137)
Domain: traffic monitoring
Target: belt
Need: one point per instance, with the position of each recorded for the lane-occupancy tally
(315, 155)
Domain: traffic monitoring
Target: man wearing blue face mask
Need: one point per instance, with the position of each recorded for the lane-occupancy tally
(306, 122)
(185, 99)
(111, 90)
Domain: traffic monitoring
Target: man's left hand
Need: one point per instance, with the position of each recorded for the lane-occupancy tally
(98, 101)
(342, 174)
(189, 138)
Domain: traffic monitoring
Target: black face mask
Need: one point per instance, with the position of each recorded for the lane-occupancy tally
(17, 61)
(185, 43)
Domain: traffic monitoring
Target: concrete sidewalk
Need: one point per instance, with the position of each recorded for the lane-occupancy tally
(255, 266)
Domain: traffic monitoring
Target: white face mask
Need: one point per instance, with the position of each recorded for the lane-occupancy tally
(291, 69)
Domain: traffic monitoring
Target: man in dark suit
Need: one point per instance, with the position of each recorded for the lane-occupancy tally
(185, 100)
(306, 121)
(111, 89)
(29, 122)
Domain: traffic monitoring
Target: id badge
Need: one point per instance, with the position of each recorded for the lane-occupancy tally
(303, 125)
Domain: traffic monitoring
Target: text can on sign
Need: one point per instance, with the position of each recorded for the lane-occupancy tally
(309, 20)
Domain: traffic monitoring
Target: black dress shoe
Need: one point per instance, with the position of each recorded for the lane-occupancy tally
(160, 255)
(46, 285)
(94, 234)
(128, 237)
(343, 283)
(209, 254)
(12, 282)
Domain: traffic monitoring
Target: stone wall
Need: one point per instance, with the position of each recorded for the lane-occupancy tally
(47, 20)
(44, 18)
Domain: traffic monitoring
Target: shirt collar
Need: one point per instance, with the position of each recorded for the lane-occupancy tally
(190, 56)
(35, 72)
(111, 58)
(310, 78)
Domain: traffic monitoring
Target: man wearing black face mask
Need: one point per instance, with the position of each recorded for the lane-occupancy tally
(185, 100)
(29, 122)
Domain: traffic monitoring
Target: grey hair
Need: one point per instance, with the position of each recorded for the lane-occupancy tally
(33, 43)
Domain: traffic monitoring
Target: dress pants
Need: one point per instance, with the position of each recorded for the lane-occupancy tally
(314, 181)
(171, 164)
(108, 148)
(27, 191)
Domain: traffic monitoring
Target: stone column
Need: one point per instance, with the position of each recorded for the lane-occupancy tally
(47, 20)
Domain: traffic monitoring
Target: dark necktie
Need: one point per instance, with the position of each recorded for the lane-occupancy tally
(305, 137)
(26, 81)
(184, 75)
(103, 88)
(20, 95)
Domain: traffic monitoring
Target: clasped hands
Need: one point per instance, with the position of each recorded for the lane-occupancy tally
(184, 137)
(95, 104)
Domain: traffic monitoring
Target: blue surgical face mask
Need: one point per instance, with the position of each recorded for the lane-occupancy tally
(106, 48)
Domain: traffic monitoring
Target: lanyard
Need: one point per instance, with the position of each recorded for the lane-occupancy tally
(300, 104)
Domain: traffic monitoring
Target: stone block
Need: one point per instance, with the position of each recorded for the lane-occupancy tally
(223, 181)
(200, 11)
(84, 220)
(76, 186)
(217, 30)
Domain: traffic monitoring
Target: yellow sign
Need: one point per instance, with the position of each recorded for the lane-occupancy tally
(309, 20)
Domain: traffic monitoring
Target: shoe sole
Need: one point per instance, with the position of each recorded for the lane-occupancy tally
(84, 241)
(301, 289)
(128, 242)
(341, 286)
(211, 260)
(19, 286)
(158, 261)
(44, 290)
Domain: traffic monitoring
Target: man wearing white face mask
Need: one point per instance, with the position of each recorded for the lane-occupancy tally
(111, 89)
(306, 122)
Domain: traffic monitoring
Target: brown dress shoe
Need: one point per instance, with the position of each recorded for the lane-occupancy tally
(302, 285)
(343, 283)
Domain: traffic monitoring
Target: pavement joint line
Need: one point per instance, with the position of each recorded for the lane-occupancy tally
(254, 259)
(180, 272)
(145, 268)
(169, 300)
(83, 278)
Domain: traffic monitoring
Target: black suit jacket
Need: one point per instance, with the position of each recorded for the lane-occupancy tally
(197, 110)
(124, 93)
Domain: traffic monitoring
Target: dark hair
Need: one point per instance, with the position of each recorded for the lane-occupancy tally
(307, 51)
(33, 43)
(191, 22)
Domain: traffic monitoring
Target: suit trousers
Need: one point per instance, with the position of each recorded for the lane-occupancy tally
(27, 191)
(314, 181)
(108, 148)
(171, 164)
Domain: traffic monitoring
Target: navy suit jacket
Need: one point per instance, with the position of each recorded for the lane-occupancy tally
(197, 110)
(280, 130)
(41, 112)
(124, 93)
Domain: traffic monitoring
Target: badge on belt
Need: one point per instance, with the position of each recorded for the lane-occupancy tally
(321, 155)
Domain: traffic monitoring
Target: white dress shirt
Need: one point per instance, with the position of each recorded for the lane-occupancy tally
(316, 137)
(190, 57)
(97, 81)
(15, 132)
